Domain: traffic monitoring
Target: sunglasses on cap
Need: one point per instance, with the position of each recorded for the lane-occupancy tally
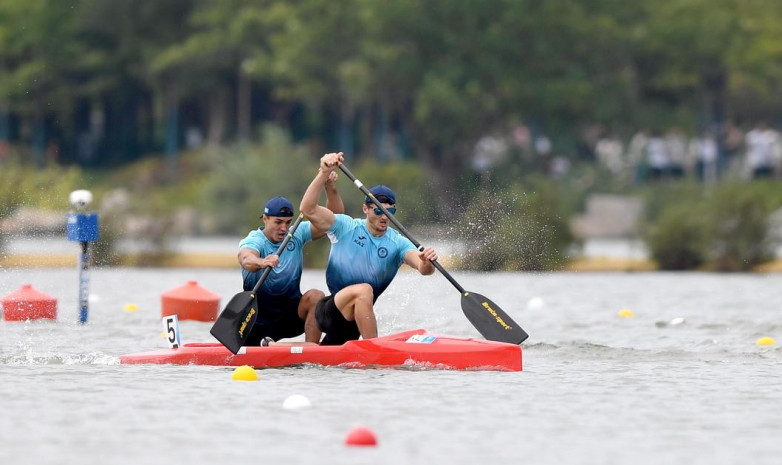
(379, 212)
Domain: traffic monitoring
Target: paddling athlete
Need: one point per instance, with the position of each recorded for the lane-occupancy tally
(283, 311)
(365, 256)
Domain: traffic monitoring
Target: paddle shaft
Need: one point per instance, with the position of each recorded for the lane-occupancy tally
(279, 251)
(399, 226)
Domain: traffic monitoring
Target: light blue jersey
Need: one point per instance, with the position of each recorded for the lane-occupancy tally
(284, 278)
(358, 257)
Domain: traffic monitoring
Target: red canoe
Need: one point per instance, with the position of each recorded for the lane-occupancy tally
(415, 349)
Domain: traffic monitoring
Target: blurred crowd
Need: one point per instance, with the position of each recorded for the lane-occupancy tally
(646, 156)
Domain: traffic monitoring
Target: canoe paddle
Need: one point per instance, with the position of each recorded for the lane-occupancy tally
(487, 317)
(237, 319)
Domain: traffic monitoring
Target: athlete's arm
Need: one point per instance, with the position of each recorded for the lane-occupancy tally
(421, 261)
(333, 202)
(250, 260)
(321, 217)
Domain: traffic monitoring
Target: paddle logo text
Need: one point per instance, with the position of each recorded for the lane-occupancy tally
(246, 322)
(496, 316)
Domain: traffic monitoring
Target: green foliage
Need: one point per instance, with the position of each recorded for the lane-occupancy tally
(444, 72)
(678, 239)
(408, 181)
(314, 51)
(242, 178)
(726, 229)
(658, 197)
(514, 231)
(739, 227)
(46, 188)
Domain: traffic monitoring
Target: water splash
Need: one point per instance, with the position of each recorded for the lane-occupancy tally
(30, 357)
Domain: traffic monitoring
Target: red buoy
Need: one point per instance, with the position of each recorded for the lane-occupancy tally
(27, 303)
(361, 436)
(190, 302)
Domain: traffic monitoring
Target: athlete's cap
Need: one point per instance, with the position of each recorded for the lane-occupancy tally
(382, 193)
(278, 206)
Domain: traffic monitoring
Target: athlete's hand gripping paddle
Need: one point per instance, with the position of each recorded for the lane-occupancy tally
(237, 319)
(488, 318)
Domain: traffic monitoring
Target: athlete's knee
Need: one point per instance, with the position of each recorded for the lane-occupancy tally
(308, 302)
(363, 292)
(312, 297)
(363, 298)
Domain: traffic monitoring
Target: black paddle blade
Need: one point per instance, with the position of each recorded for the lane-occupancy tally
(490, 320)
(235, 322)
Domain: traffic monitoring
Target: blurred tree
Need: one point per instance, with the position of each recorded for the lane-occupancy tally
(130, 104)
(40, 59)
(433, 75)
(449, 72)
(228, 39)
(678, 239)
(754, 57)
(243, 179)
(314, 58)
(681, 50)
(512, 230)
(740, 228)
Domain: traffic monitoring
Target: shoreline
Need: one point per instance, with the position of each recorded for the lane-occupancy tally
(228, 261)
(597, 255)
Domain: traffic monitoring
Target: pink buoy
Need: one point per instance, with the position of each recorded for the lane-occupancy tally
(27, 303)
(361, 436)
(190, 302)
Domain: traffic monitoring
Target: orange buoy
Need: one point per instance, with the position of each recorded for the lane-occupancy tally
(361, 436)
(190, 302)
(27, 303)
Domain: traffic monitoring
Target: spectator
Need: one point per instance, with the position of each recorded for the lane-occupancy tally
(763, 151)
(676, 148)
(636, 153)
(704, 151)
(732, 143)
(610, 154)
(657, 157)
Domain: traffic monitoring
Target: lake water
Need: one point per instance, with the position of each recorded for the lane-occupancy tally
(596, 388)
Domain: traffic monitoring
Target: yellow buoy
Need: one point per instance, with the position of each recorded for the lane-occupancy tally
(765, 341)
(244, 373)
(625, 313)
(130, 308)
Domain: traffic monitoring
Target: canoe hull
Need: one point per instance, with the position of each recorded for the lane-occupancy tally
(415, 348)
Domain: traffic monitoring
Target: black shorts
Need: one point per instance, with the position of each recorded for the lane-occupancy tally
(278, 318)
(331, 321)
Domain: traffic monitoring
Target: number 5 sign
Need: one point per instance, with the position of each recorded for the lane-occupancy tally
(171, 325)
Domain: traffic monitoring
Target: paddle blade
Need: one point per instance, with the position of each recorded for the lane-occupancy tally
(490, 320)
(235, 322)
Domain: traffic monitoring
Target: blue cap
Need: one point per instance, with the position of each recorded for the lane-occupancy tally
(278, 206)
(383, 194)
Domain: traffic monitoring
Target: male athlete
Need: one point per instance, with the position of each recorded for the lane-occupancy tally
(283, 311)
(365, 256)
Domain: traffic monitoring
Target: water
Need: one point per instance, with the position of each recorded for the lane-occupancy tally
(596, 388)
